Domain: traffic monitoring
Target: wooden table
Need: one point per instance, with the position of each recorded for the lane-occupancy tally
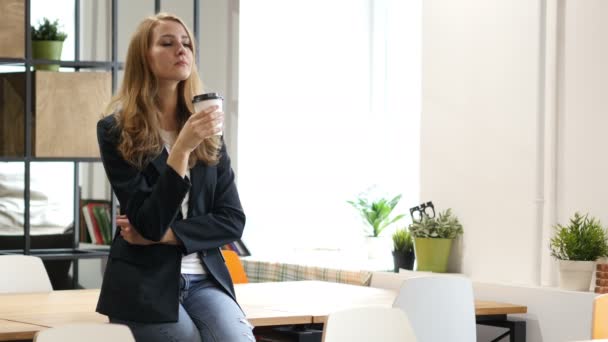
(265, 304)
(11, 331)
(319, 298)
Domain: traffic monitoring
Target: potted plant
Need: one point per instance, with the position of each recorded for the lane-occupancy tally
(376, 215)
(577, 246)
(403, 250)
(433, 237)
(47, 43)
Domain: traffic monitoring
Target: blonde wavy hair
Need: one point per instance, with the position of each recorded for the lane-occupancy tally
(136, 105)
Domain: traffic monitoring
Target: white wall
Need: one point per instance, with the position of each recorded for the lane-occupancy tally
(479, 129)
(513, 126)
(583, 109)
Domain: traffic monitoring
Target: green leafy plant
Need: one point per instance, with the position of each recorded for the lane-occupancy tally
(402, 241)
(583, 239)
(443, 226)
(376, 213)
(48, 30)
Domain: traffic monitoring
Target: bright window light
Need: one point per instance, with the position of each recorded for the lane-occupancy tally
(329, 106)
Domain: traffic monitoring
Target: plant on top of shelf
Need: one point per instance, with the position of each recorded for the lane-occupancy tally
(445, 226)
(433, 237)
(577, 246)
(402, 241)
(583, 239)
(47, 43)
(376, 213)
(403, 250)
(48, 30)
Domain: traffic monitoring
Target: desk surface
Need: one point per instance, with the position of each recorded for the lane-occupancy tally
(265, 304)
(10, 330)
(319, 298)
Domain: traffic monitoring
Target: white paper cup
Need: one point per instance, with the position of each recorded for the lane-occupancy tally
(204, 101)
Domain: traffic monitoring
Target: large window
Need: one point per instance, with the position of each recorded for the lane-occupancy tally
(329, 106)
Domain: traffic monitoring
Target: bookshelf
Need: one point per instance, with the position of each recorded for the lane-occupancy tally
(50, 117)
(37, 121)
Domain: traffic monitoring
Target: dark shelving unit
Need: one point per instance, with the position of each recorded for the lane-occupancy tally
(61, 253)
(113, 66)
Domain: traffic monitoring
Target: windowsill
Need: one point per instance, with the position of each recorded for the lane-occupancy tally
(331, 259)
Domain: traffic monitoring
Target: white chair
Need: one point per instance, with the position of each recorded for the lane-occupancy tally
(439, 308)
(393, 281)
(89, 332)
(368, 324)
(23, 273)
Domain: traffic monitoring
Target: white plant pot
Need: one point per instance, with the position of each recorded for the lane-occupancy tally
(378, 247)
(575, 275)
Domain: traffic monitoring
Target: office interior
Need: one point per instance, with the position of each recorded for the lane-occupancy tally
(498, 112)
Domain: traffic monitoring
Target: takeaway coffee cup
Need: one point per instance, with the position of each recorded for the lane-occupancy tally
(207, 100)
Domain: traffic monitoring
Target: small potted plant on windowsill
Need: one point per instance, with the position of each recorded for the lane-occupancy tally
(47, 43)
(577, 246)
(433, 237)
(403, 250)
(376, 214)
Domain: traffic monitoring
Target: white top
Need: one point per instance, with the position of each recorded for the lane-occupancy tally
(191, 264)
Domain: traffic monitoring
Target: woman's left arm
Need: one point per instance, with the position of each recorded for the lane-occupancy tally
(223, 224)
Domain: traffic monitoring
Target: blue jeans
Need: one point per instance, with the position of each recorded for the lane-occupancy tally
(206, 313)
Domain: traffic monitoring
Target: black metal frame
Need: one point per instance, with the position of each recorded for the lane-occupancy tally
(114, 66)
(61, 253)
(516, 329)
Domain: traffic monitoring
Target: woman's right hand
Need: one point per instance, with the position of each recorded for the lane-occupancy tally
(199, 126)
(129, 233)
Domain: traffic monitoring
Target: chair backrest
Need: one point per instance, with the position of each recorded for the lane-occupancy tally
(89, 332)
(599, 322)
(393, 281)
(439, 308)
(23, 273)
(368, 324)
(235, 268)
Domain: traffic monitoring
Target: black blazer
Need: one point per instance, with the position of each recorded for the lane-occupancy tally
(141, 283)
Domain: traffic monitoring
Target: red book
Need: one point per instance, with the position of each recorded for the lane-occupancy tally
(96, 228)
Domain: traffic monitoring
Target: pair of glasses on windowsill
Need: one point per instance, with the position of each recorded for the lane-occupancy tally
(424, 209)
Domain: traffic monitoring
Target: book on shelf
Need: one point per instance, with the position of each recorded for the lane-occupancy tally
(100, 212)
(95, 223)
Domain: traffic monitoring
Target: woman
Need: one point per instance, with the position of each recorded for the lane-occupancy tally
(165, 277)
